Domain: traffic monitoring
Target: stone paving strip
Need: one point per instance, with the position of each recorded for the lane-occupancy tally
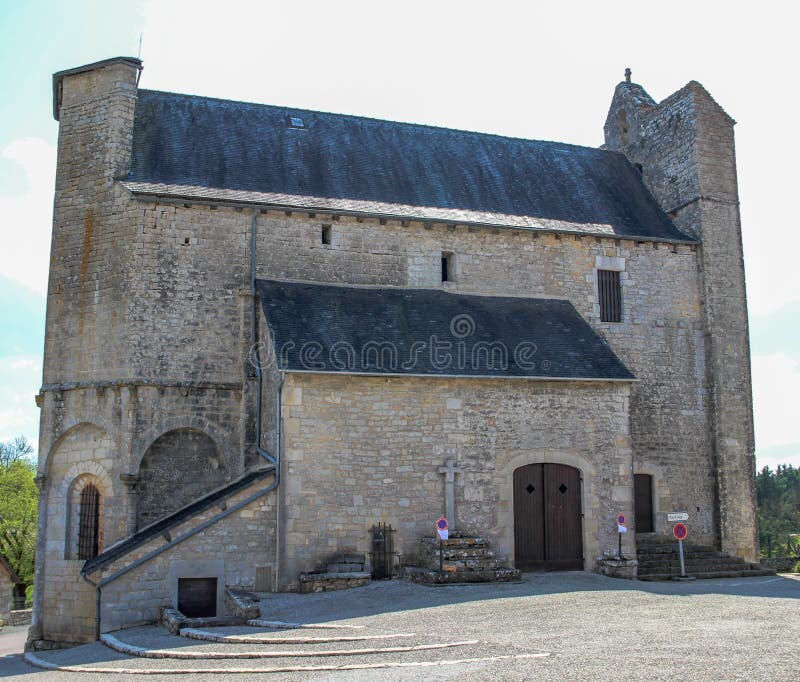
(132, 650)
(40, 663)
(279, 624)
(205, 635)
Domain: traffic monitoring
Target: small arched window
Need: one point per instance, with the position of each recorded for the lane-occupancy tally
(89, 523)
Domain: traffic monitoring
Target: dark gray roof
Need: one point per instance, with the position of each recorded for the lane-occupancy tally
(246, 150)
(353, 330)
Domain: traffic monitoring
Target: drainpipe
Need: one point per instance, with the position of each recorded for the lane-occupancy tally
(272, 460)
(256, 360)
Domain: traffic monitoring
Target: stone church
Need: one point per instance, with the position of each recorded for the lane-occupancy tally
(270, 329)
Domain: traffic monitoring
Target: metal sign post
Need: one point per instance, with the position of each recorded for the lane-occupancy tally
(443, 531)
(679, 531)
(621, 528)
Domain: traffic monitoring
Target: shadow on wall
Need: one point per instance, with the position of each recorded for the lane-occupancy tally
(179, 467)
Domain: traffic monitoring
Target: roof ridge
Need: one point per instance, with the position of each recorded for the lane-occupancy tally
(375, 120)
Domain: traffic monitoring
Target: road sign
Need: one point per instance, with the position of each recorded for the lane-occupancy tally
(679, 531)
(441, 523)
(677, 516)
(621, 528)
(621, 520)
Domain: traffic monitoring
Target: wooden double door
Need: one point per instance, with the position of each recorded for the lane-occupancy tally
(548, 521)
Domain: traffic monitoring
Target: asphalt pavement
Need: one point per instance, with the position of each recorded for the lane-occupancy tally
(590, 627)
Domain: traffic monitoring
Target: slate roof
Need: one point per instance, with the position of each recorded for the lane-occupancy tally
(425, 332)
(198, 147)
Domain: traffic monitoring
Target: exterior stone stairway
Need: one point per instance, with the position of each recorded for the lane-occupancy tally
(661, 561)
(465, 559)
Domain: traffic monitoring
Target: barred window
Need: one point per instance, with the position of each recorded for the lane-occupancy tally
(89, 523)
(609, 293)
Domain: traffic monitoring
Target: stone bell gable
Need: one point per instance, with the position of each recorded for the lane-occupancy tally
(272, 330)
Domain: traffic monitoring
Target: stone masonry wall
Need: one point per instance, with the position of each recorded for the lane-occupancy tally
(359, 450)
(230, 550)
(149, 313)
(178, 468)
(660, 338)
(686, 150)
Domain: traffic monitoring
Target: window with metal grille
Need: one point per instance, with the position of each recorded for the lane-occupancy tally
(89, 523)
(609, 292)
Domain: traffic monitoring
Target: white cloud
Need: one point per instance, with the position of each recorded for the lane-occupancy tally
(21, 376)
(27, 217)
(776, 385)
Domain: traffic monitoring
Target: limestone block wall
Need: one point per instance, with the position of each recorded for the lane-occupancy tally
(230, 551)
(363, 450)
(102, 435)
(685, 147)
(82, 453)
(94, 221)
(188, 299)
(661, 337)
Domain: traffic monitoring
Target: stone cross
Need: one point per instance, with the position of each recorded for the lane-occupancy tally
(449, 470)
(627, 75)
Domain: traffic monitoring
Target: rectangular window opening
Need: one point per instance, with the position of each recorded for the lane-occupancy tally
(609, 292)
(447, 273)
(326, 235)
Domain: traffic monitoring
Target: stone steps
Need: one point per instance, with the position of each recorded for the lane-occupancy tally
(662, 562)
(153, 650)
(464, 559)
(341, 572)
(702, 575)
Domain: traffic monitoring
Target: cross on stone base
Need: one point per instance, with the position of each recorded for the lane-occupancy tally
(449, 471)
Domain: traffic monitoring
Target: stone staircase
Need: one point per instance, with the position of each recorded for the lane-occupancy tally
(465, 559)
(661, 561)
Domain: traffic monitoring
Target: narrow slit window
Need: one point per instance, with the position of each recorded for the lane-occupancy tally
(609, 292)
(89, 523)
(447, 274)
(326, 235)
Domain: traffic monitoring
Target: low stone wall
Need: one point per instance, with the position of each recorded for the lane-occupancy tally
(329, 582)
(782, 564)
(618, 568)
(20, 617)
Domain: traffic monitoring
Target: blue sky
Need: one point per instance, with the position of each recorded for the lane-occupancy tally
(524, 69)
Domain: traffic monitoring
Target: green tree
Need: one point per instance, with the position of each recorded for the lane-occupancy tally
(18, 508)
(778, 508)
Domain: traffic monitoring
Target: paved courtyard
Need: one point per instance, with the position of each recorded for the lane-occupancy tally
(588, 627)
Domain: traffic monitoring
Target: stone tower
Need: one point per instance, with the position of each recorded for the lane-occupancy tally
(684, 148)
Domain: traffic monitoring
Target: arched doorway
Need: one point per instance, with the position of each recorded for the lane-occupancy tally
(548, 521)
